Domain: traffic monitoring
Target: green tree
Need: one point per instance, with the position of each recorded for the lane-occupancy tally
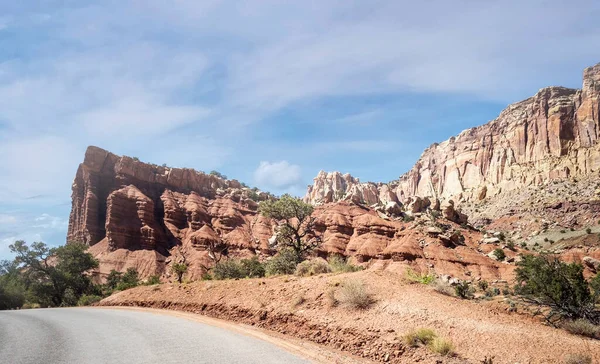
(499, 254)
(130, 279)
(296, 228)
(52, 275)
(179, 269)
(218, 174)
(546, 281)
(12, 287)
(113, 279)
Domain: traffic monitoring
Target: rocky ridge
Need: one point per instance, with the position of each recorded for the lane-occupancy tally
(550, 136)
(134, 214)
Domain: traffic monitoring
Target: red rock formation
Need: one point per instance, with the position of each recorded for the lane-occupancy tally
(127, 207)
(551, 135)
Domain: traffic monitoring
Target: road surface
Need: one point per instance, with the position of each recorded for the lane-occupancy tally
(89, 335)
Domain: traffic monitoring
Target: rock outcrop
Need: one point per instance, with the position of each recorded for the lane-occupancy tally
(123, 206)
(552, 135)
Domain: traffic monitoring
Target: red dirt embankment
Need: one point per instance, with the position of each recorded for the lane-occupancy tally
(301, 307)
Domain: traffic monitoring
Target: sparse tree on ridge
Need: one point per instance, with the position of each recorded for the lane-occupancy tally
(296, 228)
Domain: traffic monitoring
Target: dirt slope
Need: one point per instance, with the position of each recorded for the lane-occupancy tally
(300, 307)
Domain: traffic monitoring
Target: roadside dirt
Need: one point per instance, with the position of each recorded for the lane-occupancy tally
(301, 308)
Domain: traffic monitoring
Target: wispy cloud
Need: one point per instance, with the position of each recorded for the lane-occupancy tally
(279, 175)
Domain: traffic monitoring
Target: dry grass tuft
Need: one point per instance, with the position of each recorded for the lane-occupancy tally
(443, 288)
(312, 267)
(354, 294)
(578, 359)
(582, 327)
(419, 337)
(442, 346)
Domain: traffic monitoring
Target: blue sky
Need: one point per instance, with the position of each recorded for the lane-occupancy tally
(268, 92)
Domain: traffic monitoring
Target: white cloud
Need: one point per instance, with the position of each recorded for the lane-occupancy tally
(7, 219)
(279, 175)
(47, 221)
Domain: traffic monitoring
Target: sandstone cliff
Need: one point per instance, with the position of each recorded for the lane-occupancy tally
(552, 135)
(139, 215)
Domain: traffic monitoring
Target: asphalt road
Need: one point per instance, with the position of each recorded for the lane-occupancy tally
(88, 335)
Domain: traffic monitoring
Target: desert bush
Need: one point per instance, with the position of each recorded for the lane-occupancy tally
(546, 281)
(312, 267)
(578, 359)
(441, 346)
(152, 280)
(494, 291)
(463, 290)
(510, 245)
(499, 254)
(284, 262)
(339, 264)
(298, 300)
(228, 269)
(128, 280)
(354, 294)
(581, 327)
(253, 268)
(443, 288)
(86, 300)
(415, 277)
(419, 337)
(179, 269)
(588, 230)
(483, 285)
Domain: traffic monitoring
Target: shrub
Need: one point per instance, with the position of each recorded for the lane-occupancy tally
(284, 262)
(408, 218)
(443, 288)
(419, 337)
(86, 300)
(588, 230)
(441, 346)
(546, 281)
(578, 359)
(510, 245)
(129, 280)
(562, 231)
(218, 174)
(339, 264)
(422, 278)
(299, 300)
(492, 292)
(501, 236)
(483, 285)
(499, 254)
(152, 280)
(312, 267)
(463, 290)
(581, 327)
(354, 295)
(179, 269)
(253, 268)
(228, 269)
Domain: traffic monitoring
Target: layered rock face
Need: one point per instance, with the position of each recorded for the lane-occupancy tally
(123, 206)
(552, 135)
(133, 214)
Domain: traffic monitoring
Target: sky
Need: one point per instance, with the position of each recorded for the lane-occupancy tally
(267, 92)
